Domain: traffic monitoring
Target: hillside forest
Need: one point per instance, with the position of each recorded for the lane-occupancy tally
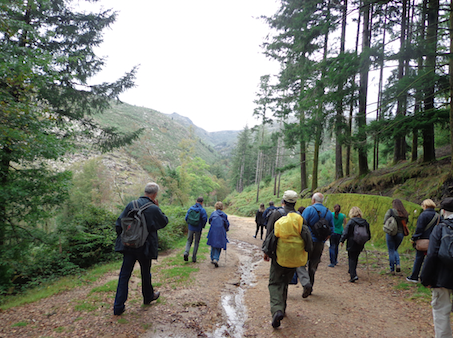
(361, 105)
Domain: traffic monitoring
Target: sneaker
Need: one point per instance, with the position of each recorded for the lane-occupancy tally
(276, 319)
(156, 296)
(307, 290)
(353, 279)
(412, 280)
(398, 268)
(331, 265)
(254, 236)
(216, 264)
(119, 312)
(186, 257)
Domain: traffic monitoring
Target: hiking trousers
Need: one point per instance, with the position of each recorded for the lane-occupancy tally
(190, 237)
(314, 258)
(279, 278)
(441, 303)
(129, 260)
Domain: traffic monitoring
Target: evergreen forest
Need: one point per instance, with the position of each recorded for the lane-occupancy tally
(361, 104)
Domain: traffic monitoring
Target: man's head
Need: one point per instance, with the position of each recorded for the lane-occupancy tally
(447, 206)
(271, 203)
(317, 198)
(290, 198)
(200, 200)
(151, 190)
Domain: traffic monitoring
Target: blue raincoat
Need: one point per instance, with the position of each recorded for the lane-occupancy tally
(217, 237)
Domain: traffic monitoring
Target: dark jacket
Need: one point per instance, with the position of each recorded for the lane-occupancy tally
(155, 220)
(311, 216)
(259, 219)
(267, 213)
(348, 233)
(394, 213)
(203, 217)
(423, 220)
(434, 273)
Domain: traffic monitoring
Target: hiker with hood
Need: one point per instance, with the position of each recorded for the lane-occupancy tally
(287, 225)
(259, 220)
(196, 219)
(437, 271)
(217, 237)
(268, 212)
(355, 243)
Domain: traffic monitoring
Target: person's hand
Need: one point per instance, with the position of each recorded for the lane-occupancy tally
(156, 202)
(341, 244)
(266, 258)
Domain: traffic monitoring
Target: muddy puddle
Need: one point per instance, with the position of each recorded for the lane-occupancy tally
(232, 301)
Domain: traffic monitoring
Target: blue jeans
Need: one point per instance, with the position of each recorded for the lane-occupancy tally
(129, 260)
(190, 236)
(393, 243)
(419, 258)
(333, 249)
(215, 253)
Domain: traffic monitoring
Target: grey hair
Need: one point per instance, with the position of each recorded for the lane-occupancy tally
(151, 188)
(318, 197)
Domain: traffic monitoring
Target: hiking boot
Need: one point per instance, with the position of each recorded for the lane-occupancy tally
(216, 264)
(412, 280)
(186, 257)
(276, 319)
(156, 295)
(307, 290)
(331, 265)
(194, 260)
(119, 312)
(398, 268)
(353, 279)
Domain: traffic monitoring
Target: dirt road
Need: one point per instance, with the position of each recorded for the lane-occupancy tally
(233, 301)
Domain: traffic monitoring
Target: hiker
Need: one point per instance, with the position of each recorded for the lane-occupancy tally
(290, 253)
(268, 212)
(393, 242)
(217, 237)
(339, 220)
(425, 225)
(196, 219)
(354, 246)
(155, 220)
(437, 271)
(311, 217)
(259, 220)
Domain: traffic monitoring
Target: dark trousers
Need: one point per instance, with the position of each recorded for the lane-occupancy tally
(279, 278)
(333, 249)
(419, 258)
(258, 227)
(129, 260)
(314, 258)
(353, 257)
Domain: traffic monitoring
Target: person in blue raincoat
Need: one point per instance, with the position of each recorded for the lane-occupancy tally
(217, 237)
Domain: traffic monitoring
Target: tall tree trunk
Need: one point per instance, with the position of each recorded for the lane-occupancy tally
(303, 156)
(340, 114)
(363, 90)
(399, 153)
(351, 109)
(451, 88)
(418, 92)
(429, 152)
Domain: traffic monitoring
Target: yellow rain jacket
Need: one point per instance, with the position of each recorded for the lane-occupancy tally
(290, 245)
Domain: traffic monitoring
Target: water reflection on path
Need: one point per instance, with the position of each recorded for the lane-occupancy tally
(232, 301)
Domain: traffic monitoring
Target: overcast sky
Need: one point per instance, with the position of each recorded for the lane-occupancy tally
(200, 58)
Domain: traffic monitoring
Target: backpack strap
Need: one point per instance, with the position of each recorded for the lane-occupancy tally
(431, 223)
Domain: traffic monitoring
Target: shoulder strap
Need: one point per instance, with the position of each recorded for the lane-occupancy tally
(431, 223)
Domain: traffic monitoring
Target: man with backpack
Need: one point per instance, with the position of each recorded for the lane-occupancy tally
(153, 219)
(196, 219)
(287, 225)
(320, 222)
(437, 271)
(268, 212)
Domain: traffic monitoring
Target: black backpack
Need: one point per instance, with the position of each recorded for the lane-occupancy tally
(269, 246)
(446, 246)
(321, 229)
(134, 227)
(360, 234)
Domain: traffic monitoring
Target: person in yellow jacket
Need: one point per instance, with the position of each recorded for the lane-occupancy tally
(286, 223)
